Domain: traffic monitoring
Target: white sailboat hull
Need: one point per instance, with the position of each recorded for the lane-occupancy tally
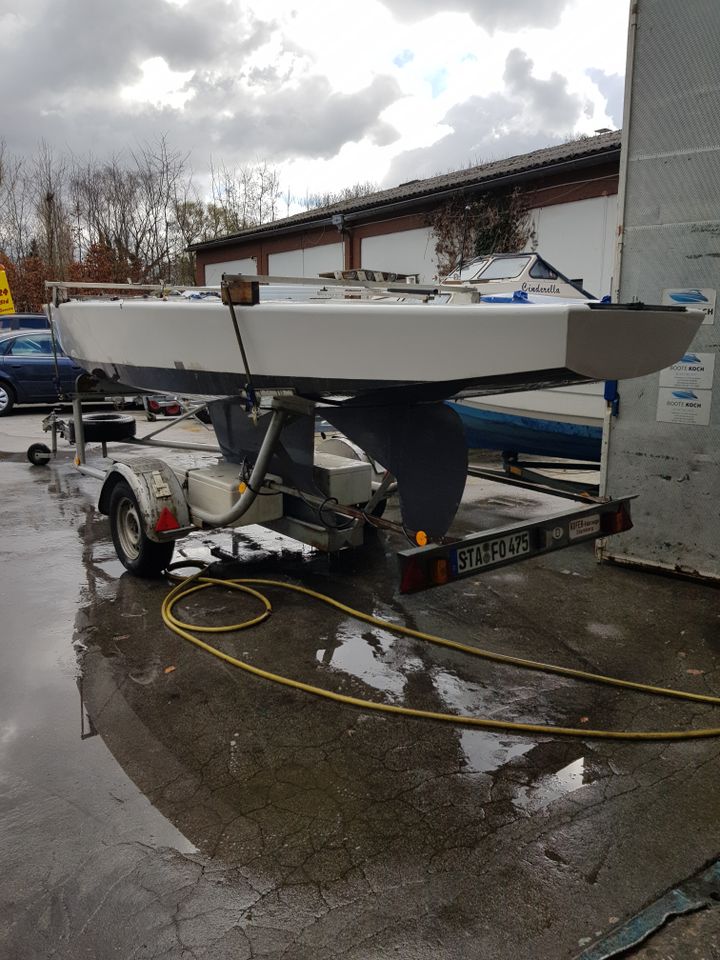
(350, 348)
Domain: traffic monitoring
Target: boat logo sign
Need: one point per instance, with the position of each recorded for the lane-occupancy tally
(688, 296)
(686, 395)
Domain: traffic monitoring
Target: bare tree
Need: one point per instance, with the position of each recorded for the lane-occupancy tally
(245, 196)
(267, 192)
(128, 216)
(132, 205)
(54, 226)
(16, 205)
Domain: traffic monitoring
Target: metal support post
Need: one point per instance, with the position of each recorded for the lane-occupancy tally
(79, 431)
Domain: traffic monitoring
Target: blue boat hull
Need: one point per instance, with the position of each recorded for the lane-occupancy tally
(490, 430)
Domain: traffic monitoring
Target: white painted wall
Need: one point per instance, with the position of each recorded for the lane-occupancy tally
(408, 251)
(308, 262)
(214, 271)
(579, 239)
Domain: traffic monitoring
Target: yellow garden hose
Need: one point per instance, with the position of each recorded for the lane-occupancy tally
(197, 582)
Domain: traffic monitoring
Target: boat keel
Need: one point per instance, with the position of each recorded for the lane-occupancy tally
(423, 446)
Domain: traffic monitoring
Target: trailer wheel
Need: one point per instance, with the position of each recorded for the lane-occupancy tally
(38, 454)
(103, 427)
(136, 551)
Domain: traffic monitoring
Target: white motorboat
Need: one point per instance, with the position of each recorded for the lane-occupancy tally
(562, 421)
(372, 349)
(525, 274)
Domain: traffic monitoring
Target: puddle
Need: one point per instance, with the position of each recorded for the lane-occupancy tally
(486, 752)
(552, 786)
(252, 543)
(50, 758)
(113, 568)
(366, 653)
(457, 695)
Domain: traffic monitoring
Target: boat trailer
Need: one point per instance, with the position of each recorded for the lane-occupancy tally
(152, 502)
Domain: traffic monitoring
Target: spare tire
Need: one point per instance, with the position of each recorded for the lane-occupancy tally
(103, 427)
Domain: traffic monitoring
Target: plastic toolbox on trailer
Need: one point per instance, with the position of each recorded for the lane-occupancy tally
(216, 488)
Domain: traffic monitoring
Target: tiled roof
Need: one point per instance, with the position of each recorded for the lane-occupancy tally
(512, 167)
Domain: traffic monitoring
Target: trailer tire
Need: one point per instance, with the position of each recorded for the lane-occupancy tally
(103, 427)
(139, 554)
(39, 455)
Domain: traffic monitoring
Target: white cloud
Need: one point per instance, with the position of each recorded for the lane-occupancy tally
(335, 93)
(160, 85)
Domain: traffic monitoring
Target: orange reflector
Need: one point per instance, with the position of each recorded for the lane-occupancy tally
(421, 538)
(441, 572)
(77, 461)
(242, 487)
(166, 521)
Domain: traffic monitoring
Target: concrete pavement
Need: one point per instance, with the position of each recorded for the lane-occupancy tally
(198, 812)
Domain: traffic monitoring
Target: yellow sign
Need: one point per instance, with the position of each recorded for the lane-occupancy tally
(6, 300)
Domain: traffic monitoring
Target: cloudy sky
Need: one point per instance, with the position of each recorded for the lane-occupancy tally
(332, 92)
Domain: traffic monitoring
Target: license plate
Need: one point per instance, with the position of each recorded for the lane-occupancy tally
(490, 552)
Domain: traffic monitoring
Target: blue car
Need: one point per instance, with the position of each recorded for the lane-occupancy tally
(27, 369)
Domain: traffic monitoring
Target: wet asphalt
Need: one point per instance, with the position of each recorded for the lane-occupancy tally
(158, 803)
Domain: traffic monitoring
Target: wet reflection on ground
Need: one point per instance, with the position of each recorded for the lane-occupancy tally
(367, 655)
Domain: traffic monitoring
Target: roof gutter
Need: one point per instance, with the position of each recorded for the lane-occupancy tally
(413, 201)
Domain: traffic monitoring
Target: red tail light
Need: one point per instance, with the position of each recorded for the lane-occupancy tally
(166, 521)
(414, 577)
(616, 522)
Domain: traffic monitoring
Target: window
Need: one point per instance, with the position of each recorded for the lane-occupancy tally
(473, 268)
(31, 347)
(470, 269)
(505, 268)
(541, 271)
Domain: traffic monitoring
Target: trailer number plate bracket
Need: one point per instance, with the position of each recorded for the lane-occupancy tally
(489, 552)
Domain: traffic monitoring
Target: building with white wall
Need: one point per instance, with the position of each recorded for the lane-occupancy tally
(571, 191)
